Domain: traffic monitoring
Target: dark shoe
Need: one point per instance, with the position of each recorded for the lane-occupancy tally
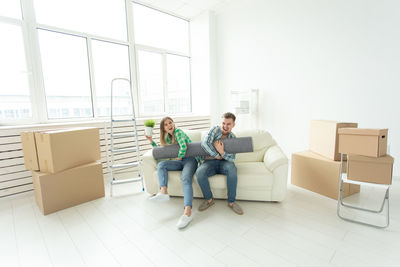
(205, 205)
(235, 207)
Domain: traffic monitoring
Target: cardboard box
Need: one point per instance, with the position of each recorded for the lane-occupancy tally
(370, 169)
(29, 149)
(67, 148)
(324, 138)
(363, 142)
(319, 174)
(68, 188)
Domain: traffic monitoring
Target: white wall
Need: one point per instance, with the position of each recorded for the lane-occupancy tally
(312, 59)
(202, 41)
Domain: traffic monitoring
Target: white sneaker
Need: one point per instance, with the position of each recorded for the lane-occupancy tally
(183, 221)
(160, 197)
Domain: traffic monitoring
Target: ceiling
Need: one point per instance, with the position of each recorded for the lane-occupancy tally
(185, 8)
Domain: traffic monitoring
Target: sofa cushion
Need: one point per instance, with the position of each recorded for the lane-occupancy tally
(262, 140)
(194, 135)
(251, 175)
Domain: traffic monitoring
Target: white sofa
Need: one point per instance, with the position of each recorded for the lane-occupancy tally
(262, 174)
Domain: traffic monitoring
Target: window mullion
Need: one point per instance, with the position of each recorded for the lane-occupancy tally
(132, 58)
(91, 76)
(165, 82)
(31, 44)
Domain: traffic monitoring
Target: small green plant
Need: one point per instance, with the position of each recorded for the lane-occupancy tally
(150, 123)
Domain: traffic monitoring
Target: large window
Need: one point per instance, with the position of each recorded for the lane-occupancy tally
(15, 102)
(10, 8)
(178, 77)
(162, 45)
(58, 60)
(151, 84)
(66, 75)
(102, 18)
(158, 29)
(111, 61)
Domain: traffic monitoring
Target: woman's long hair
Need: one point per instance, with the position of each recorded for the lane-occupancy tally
(163, 133)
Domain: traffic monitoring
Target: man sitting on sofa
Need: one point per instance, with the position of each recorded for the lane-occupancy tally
(219, 162)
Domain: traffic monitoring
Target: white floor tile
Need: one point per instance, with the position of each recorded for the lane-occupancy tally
(60, 246)
(129, 255)
(233, 258)
(8, 244)
(89, 246)
(129, 230)
(191, 253)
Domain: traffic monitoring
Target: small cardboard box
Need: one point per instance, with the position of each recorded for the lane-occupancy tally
(319, 174)
(370, 169)
(68, 188)
(59, 150)
(324, 138)
(363, 142)
(29, 149)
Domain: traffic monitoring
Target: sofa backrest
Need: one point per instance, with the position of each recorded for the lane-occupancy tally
(262, 140)
(194, 135)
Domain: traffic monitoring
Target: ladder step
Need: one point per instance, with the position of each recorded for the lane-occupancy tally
(117, 135)
(123, 150)
(128, 180)
(124, 165)
(122, 120)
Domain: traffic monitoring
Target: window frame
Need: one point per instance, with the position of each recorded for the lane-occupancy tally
(163, 52)
(30, 27)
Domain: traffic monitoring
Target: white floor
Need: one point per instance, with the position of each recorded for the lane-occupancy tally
(129, 230)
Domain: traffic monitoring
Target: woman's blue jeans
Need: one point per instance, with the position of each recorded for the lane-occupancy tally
(188, 167)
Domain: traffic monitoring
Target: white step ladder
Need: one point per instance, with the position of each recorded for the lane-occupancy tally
(113, 136)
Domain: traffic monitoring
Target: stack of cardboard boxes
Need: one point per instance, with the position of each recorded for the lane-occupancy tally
(318, 168)
(367, 160)
(65, 166)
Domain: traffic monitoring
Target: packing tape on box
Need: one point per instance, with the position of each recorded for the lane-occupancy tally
(194, 149)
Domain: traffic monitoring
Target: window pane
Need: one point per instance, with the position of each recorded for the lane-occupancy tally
(178, 77)
(14, 88)
(10, 8)
(111, 61)
(66, 75)
(158, 29)
(105, 17)
(151, 91)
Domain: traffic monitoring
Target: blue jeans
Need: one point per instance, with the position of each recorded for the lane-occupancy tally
(188, 167)
(212, 167)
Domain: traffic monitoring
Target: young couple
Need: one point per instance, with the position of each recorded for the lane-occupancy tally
(218, 162)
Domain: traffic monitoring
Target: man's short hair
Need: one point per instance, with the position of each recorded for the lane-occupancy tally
(229, 115)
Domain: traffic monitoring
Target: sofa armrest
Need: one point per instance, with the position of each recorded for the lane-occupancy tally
(149, 166)
(276, 161)
(148, 159)
(274, 157)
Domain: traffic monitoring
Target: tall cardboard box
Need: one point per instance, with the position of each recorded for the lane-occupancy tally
(363, 142)
(324, 138)
(319, 174)
(370, 169)
(59, 150)
(57, 191)
(29, 149)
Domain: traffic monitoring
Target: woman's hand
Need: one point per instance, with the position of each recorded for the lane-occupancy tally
(150, 138)
(178, 159)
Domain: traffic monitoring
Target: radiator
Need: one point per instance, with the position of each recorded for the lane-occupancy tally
(15, 179)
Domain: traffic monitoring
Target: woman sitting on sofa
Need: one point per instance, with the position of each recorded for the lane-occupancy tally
(171, 135)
